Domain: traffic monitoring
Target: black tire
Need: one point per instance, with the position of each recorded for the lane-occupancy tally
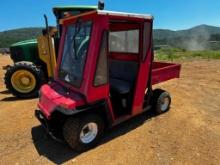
(32, 68)
(159, 96)
(73, 127)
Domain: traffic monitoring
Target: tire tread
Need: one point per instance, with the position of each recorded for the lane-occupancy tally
(25, 65)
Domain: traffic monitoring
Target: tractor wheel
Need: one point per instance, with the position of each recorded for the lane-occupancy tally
(83, 133)
(24, 79)
(161, 101)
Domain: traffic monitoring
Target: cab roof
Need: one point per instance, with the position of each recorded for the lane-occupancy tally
(74, 7)
(115, 13)
(101, 12)
(111, 13)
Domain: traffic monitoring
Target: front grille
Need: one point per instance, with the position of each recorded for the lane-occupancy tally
(17, 54)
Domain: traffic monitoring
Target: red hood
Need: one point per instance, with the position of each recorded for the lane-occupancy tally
(53, 95)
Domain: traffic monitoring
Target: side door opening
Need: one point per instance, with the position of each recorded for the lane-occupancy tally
(124, 51)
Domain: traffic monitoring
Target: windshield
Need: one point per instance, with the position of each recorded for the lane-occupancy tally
(74, 53)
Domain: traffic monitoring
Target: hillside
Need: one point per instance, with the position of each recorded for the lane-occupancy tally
(11, 36)
(200, 30)
(201, 37)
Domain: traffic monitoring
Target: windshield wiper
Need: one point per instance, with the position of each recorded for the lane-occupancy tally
(76, 32)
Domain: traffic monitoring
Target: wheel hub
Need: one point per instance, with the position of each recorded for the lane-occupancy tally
(89, 133)
(165, 104)
(23, 81)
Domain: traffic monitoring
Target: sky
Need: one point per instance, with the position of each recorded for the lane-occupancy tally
(168, 14)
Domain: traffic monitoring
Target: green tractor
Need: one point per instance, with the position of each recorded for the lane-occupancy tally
(35, 60)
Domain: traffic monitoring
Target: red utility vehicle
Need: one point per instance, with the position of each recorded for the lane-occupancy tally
(104, 76)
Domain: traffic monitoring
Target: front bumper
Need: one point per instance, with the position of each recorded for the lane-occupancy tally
(46, 124)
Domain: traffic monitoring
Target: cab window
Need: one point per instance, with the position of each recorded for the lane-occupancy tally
(124, 41)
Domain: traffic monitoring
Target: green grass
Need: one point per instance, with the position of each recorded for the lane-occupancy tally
(175, 54)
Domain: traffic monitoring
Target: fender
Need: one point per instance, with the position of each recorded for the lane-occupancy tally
(79, 109)
(100, 107)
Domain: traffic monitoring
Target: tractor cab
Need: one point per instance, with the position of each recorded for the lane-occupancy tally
(59, 11)
(62, 12)
(104, 76)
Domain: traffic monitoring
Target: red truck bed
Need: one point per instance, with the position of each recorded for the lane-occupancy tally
(164, 71)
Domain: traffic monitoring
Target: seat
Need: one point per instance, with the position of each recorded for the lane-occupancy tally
(122, 76)
(119, 86)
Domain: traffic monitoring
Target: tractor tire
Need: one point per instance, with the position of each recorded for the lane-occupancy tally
(161, 101)
(24, 79)
(83, 133)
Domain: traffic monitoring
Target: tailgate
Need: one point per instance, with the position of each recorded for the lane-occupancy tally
(162, 71)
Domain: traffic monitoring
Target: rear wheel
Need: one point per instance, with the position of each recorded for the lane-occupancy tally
(84, 132)
(24, 79)
(161, 101)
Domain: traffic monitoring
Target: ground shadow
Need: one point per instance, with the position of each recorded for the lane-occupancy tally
(8, 99)
(128, 126)
(13, 98)
(52, 150)
(5, 92)
(59, 153)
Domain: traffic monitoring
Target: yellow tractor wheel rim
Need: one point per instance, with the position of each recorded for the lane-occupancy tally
(23, 81)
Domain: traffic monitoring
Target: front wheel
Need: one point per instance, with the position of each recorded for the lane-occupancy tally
(83, 133)
(161, 101)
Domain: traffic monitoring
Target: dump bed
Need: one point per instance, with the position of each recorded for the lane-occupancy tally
(162, 71)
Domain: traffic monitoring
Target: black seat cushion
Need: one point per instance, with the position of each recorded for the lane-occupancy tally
(119, 86)
(123, 70)
(122, 76)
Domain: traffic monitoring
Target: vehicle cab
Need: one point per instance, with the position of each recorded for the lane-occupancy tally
(104, 76)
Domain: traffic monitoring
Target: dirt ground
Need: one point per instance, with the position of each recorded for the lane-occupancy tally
(188, 134)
